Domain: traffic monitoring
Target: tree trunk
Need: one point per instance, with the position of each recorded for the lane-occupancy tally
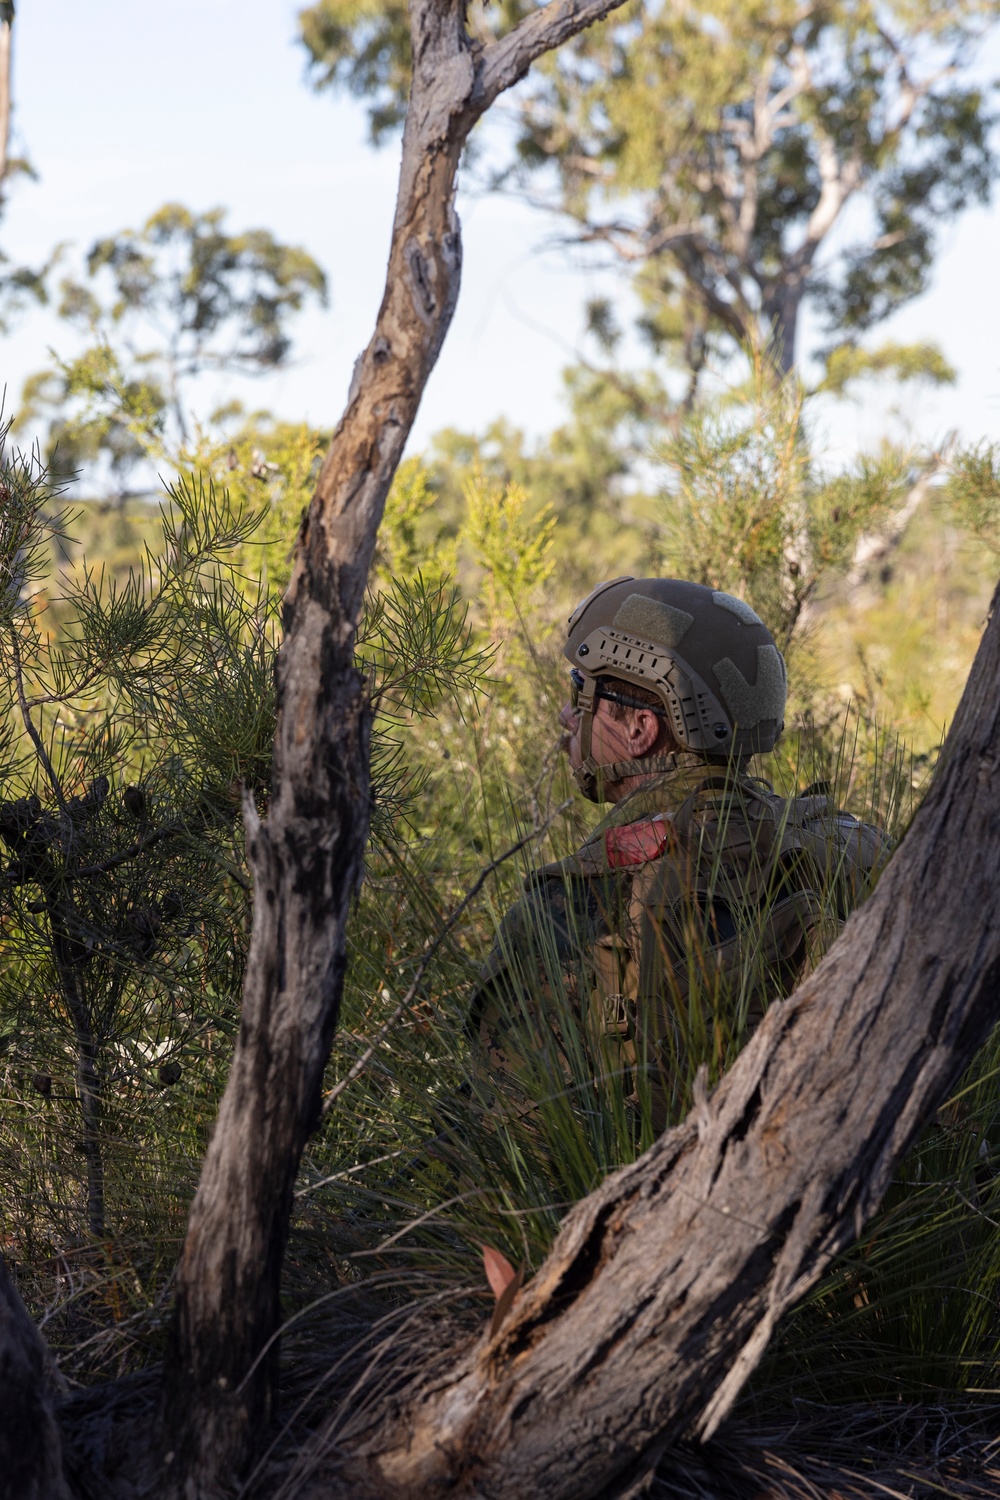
(63, 924)
(780, 320)
(88, 1088)
(664, 1286)
(307, 857)
(30, 1448)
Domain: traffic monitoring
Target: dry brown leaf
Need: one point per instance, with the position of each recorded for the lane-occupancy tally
(499, 1271)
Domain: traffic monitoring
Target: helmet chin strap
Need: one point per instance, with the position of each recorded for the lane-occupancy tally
(591, 777)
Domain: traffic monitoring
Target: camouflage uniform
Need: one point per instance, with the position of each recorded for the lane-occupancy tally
(701, 888)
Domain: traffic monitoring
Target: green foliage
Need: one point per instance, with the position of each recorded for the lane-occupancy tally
(139, 706)
(847, 363)
(416, 648)
(898, 644)
(513, 551)
(746, 511)
(580, 473)
(364, 47)
(421, 1159)
(21, 287)
(159, 306)
(97, 410)
(405, 545)
(133, 710)
(974, 492)
(909, 1313)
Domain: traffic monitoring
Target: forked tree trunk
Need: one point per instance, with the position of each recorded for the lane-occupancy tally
(663, 1287)
(307, 857)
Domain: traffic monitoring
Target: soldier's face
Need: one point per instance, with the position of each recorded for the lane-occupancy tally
(610, 739)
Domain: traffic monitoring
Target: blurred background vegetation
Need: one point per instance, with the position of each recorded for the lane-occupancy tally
(144, 550)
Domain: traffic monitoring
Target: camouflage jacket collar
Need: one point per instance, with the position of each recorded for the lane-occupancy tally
(659, 797)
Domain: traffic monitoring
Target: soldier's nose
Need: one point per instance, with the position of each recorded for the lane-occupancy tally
(568, 717)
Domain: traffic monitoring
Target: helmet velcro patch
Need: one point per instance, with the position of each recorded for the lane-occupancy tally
(764, 699)
(649, 620)
(737, 607)
(635, 843)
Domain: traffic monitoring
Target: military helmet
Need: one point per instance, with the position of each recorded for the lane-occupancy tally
(705, 654)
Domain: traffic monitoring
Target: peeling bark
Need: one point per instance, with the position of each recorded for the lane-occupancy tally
(664, 1286)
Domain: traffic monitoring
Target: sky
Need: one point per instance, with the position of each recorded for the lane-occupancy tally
(122, 107)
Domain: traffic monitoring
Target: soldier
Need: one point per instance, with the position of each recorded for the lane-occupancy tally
(702, 894)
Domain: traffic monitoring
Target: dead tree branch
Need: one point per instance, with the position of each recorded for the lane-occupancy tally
(307, 857)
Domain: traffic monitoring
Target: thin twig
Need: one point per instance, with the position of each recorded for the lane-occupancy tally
(32, 732)
(411, 994)
(169, 830)
(362, 1166)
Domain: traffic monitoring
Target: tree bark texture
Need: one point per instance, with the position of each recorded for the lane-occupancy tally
(30, 1448)
(307, 856)
(664, 1286)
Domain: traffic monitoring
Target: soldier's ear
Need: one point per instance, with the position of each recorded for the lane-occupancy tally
(644, 731)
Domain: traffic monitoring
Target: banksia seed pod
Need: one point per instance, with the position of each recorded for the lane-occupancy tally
(172, 905)
(135, 801)
(144, 925)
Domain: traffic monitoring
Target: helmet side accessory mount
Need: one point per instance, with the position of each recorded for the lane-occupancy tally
(694, 713)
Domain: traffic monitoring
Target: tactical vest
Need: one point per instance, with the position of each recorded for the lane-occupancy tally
(697, 901)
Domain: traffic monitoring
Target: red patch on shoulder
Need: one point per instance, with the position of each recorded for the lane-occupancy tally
(635, 843)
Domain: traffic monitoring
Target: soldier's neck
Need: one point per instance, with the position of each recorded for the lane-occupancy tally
(665, 763)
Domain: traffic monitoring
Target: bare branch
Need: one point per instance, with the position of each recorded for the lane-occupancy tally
(873, 548)
(506, 61)
(29, 724)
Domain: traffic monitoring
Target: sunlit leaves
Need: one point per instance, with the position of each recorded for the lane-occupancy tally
(847, 363)
(713, 147)
(974, 492)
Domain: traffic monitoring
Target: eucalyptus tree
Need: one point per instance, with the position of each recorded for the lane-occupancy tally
(156, 307)
(712, 151)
